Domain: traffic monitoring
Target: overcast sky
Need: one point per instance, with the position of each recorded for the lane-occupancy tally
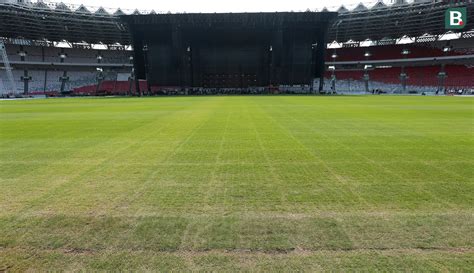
(219, 6)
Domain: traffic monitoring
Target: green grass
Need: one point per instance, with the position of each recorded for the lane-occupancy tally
(238, 183)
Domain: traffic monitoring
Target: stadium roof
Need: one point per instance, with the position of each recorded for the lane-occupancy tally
(63, 22)
(401, 19)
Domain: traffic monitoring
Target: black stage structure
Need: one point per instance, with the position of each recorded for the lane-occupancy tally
(229, 50)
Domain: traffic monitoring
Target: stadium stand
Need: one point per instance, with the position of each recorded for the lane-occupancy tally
(72, 55)
(61, 57)
(420, 79)
(422, 76)
(390, 52)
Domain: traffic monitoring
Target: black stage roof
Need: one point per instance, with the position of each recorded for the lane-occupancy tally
(264, 19)
(229, 50)
(41, 22)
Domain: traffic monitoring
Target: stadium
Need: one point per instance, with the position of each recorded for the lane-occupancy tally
(337, 139)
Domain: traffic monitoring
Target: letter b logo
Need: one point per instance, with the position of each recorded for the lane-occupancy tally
(456, 18)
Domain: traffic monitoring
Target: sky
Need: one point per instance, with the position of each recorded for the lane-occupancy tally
(219, 6)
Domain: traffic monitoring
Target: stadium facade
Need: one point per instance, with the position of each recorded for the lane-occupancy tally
(403, 47)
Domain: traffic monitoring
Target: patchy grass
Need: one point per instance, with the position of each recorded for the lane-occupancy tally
(237, 183)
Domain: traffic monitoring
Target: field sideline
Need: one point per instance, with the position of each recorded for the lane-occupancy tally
(272, 183)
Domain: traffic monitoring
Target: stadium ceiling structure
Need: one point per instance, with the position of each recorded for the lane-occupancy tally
(60, 22)
(381, 22)
(39, 22)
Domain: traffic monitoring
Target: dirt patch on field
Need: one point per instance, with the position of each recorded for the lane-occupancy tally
(78, 251)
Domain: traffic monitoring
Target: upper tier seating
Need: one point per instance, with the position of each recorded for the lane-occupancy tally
(386, 52)
(73, 55)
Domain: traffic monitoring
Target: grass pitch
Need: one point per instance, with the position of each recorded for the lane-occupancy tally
(237, 183)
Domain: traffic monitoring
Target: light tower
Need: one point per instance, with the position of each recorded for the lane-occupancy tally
(333, 74)
(442, 73)
(403, 74)
(8, 68)
(366, 77)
